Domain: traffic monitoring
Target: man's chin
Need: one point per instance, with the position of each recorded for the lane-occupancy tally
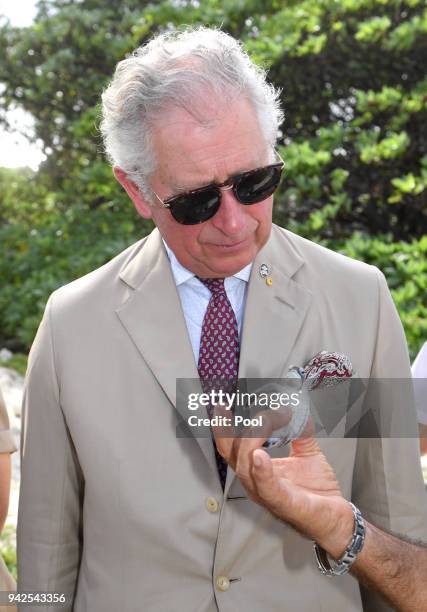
(222, 261)
(228, 264)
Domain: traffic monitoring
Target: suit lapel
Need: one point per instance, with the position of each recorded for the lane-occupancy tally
(153, 318)
(274, 313)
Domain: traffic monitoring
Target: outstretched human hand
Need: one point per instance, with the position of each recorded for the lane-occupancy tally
(301, 489)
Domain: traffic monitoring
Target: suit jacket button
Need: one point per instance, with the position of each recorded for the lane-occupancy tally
(212, 505)
(222, 583)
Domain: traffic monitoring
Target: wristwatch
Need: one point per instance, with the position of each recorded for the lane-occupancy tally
(343, 565)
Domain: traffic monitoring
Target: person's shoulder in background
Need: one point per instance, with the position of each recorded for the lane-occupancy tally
(419, 367)
(7, 446)
(7, 442)
(419, 372)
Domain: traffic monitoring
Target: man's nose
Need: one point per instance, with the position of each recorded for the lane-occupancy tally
(231, 216)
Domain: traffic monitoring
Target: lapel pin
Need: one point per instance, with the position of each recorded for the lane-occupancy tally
(264, 270)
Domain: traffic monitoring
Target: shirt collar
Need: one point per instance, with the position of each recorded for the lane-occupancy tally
(182, 275)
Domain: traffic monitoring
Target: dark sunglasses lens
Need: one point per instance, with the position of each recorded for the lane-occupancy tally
(195, 208)
(258, 185)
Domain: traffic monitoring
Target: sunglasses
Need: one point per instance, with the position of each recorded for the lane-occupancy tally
(199, 205)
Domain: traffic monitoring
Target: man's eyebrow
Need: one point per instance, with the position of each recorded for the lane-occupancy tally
(180, 188)
(177, 188)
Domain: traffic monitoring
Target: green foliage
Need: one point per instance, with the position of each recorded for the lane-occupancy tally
(17, 362)
(405, 267)
(355, 93)
(8, 548)
(373, 29)
(63, 246)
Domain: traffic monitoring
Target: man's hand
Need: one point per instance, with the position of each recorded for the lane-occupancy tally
(301, 489)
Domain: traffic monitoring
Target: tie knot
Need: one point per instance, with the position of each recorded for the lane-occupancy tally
(215, 285)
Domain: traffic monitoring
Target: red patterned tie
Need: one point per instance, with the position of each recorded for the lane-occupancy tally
(219, 349)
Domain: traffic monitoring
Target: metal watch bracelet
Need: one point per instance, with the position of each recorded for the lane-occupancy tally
(343, 565)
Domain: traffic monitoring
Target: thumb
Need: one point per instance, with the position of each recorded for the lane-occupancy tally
(275, 494)
(263, 475)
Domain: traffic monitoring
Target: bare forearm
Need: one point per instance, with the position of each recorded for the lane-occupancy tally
(395, 568)
(390, 565)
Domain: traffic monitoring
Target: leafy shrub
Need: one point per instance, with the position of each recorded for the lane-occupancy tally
(354, 89)
(405, 267)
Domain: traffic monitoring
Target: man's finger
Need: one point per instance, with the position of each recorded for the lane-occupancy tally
(224, 434)
(251, 438)
(272, 492)
(236, 446)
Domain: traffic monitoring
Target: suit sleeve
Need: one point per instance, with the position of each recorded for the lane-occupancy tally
(49, 537)
(387, 483)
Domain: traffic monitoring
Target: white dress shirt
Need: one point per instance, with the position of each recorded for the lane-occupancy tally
(195, 297)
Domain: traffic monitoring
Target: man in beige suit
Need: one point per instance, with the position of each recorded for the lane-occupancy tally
(116, 510)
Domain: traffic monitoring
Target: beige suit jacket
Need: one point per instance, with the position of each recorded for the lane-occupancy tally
(117, 511)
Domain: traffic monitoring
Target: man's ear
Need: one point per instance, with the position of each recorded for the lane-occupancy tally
(141, 204)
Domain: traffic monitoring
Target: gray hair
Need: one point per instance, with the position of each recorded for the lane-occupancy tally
(173, 70)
